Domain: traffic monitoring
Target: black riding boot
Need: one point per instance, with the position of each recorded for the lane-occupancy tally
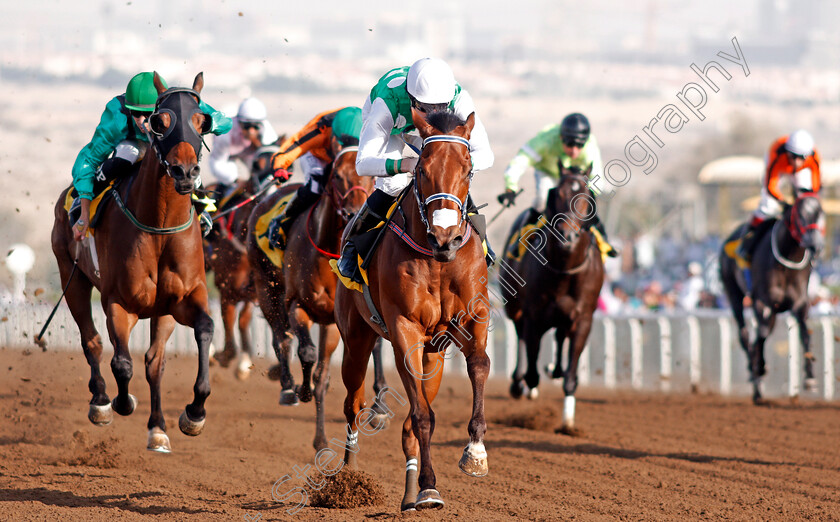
(278, 229)
(596, 223)
(479, 224)
(371, 213)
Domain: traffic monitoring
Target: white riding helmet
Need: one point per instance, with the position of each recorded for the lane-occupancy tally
(430, 80)
(801, 143)
(252, 110)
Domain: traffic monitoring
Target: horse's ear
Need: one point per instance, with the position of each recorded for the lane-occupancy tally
(420, 122)
(470, 123)
(158, 83)
(198, 83)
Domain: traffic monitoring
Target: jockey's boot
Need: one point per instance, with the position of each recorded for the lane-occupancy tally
(745, 249)
(597, 225)
(370, 215)
(278, 229)
(206, 223)
(479, 224)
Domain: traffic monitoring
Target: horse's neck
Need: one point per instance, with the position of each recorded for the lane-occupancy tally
(567, 259)
(327, 233)
(788, 246)
(153, 199)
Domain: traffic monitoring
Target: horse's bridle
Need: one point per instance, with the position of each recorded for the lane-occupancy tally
(423, 203)
(797, 231)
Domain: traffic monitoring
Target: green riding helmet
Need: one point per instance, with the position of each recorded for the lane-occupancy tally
(141, 94)
(347, 125)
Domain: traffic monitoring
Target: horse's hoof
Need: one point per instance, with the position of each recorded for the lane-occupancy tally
(243, 374)
(474, 460)
(533, 394)
(274, 373)
(428, 499)
(132, 403)
(304, 394)
(189, 426)
(811, 384)
(379, 421)
(570, 430)
(517, 389)
(552, 371)
(288, 398)
(243, 368)
(319, 443)
(100, 415)
(158, 441)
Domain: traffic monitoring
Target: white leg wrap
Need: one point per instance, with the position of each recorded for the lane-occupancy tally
(411, 465)
(569, 409)
(353, 438)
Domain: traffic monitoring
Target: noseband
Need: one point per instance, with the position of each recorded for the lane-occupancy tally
(422, 204)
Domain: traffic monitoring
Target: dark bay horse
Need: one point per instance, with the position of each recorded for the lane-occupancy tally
(781, 267)
(426, 301)
(150, 265)
(307, 287)
(226, 255)
(555, 284)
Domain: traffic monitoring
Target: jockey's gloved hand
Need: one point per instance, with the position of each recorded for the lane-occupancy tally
(282, 175)
(507, 198)
(408, 164)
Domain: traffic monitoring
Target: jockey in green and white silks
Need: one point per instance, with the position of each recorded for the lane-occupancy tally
(122, 132)
(571, 144)
(427, 85)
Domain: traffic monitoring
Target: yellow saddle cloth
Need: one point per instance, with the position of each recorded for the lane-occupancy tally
(94, 203)
(515, 248)
(731, 250)
(261, 229)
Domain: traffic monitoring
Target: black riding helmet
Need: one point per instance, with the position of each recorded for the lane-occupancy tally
(575, 128)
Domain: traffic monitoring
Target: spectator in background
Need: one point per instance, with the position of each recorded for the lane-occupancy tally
(692, 287)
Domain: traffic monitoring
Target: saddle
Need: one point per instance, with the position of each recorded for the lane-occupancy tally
(730, 248)
(529, 220)
(97, 205)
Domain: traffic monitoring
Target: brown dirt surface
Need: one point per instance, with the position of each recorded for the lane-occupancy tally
(643, 456)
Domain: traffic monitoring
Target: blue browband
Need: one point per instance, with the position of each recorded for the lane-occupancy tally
(443, 137)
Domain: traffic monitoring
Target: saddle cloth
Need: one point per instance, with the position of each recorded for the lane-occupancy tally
(94, 205)
(261, 229)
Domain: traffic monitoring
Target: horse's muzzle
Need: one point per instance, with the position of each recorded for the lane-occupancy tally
(185, 177)
(445, 252)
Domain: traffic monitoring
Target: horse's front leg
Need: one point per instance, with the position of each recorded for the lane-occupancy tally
(161, 328)
(328, 338)
(474, 460)
(228, 306)
(120, 323)
(766, 322)
(194, 312)
(380, 406)
(801, 314)
(577, 343)
(307, 352)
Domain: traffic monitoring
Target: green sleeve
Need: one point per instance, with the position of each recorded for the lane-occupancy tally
(112, 128)
(221, 123)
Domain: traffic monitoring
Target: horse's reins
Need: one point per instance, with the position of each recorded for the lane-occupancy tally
(243, 202)
(787, 263)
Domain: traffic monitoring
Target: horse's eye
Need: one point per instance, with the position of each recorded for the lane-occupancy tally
(157, 124)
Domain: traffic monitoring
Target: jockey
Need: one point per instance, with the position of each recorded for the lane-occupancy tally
(387, 125)
(792, 155)
(570, 144)
(317, 145)
(251, 130)
(119, 141)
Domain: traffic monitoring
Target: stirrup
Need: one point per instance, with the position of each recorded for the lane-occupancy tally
(206, 223)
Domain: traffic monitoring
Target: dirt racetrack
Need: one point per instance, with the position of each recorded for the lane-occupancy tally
(641, 457)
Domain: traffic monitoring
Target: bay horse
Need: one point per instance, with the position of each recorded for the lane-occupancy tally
(225, 253)
(151, 261)
(427, 301)
(555, 284)
(781, 267)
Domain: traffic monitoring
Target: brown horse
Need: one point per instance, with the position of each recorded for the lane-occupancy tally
(780, 270)
(555, 284)
(426, 301)
(226, 255)
(302, 292)
(150, 254)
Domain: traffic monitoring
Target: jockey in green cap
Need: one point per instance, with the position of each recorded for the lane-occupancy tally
(119, 141)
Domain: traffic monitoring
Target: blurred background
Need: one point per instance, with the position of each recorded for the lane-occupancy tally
(526, 64)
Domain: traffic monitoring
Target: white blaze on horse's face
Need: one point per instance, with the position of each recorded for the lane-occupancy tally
(445, 218)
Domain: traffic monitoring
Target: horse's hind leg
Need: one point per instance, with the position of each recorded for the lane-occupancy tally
(533, 336)
(78, 300)
(517, 387)
(556, 371)
(358, 343)
(307, 352)
(766, 322)
(228, 306)
(243, 367)
(191, 421)
(382, 418)
(161, 328)
(801, 314)
(328, 338)
(120, 323)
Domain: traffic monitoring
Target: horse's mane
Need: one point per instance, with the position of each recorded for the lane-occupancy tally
(444, 121)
